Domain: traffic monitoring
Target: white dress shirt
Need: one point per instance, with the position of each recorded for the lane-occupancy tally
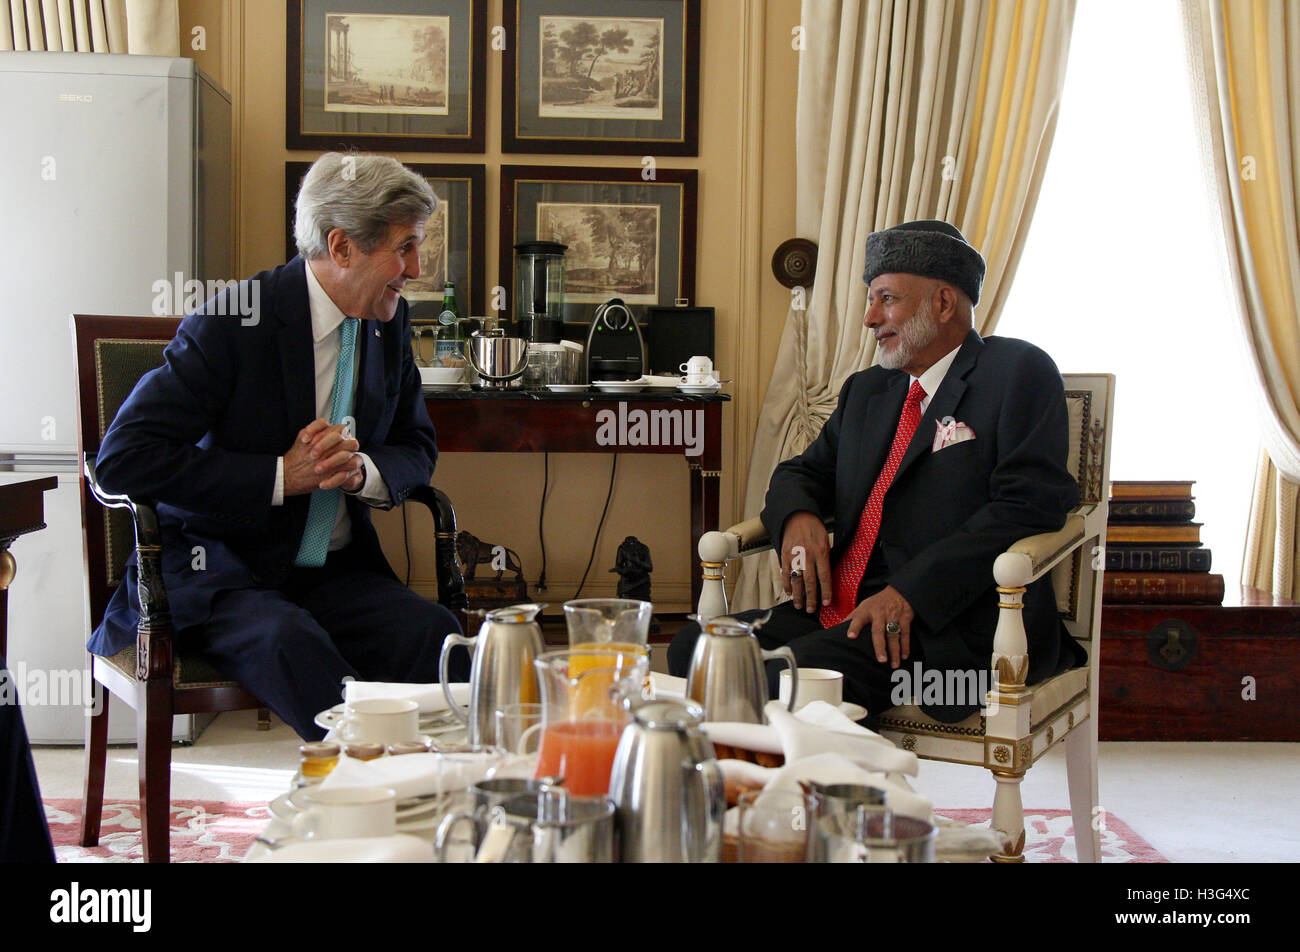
(327, 338)
(933, 377)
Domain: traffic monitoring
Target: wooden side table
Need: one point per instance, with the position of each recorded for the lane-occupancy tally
(22, 510)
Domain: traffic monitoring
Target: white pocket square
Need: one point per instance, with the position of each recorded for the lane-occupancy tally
(949, 431)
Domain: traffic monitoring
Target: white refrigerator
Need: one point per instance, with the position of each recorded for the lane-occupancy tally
(115, 173)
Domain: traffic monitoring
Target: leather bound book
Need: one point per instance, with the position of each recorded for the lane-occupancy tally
(1154, 533)
(1157, 558)
(1152, 510)
(1163, 588)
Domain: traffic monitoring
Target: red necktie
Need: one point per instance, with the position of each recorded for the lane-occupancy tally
(853, 563)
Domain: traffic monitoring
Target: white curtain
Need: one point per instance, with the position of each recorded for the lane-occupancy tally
(150, 27)
(907, 109)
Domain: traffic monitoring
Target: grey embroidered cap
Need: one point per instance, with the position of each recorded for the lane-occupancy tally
(932, 249)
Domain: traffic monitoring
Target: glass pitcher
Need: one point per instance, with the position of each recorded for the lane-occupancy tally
(583, 711)
(617, 622)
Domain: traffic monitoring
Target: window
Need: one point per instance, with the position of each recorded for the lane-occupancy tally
(1122, 271)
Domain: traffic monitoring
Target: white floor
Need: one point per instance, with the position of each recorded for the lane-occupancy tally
(1201, 802)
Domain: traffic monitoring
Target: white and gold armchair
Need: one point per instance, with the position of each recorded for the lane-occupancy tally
(1021, 722)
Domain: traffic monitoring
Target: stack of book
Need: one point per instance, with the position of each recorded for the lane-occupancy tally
(1153, 548)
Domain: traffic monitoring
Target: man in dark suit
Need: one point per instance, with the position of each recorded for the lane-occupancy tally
(932, 464)
(266, 437)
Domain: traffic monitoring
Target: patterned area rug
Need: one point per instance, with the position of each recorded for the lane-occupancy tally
(1049, 837)
(202, 831)
(212, 831)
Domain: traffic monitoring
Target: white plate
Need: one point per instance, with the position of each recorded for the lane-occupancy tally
(431, 722)
(567, 387)
(619, 386)
(409, 812)
(697, 389)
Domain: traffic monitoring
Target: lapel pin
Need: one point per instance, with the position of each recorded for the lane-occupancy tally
(376, 331)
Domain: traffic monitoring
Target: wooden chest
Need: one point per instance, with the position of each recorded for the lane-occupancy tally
(1201, 672)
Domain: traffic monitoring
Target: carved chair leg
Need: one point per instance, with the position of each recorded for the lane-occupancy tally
(263, 719)
(1009, 816)
(154, 751)
(92, 801)
(1081, 775)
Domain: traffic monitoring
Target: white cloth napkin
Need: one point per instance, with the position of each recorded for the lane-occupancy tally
(830, 768)
(667, 687)
(412, 775)
(814, 729)
(428, 696)
(399, 848)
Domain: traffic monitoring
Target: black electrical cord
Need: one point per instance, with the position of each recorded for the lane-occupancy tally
(594, 542)
(541, 515)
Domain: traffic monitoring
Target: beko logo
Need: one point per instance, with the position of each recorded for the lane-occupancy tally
(75, 97)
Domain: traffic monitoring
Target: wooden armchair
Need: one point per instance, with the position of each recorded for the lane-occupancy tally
(112, 354)
(1021, 723)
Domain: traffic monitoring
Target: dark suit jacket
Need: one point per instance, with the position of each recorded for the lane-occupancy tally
(200, 435)
(948, 514)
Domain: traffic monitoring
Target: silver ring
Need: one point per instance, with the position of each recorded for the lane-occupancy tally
(892, 628)
(795, 573)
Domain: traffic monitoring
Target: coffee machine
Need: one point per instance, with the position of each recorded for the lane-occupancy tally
(615, 347)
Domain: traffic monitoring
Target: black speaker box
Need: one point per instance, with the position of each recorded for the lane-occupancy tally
(676, 334)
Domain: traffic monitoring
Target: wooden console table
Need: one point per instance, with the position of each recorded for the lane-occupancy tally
(22, 510)
(1201, 672)
(528, 421)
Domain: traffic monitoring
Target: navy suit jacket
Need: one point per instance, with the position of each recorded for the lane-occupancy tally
(200, 436)
(948, 514)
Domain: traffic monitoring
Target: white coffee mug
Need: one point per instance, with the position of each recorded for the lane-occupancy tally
(338, 812)
(379, 720)
(815, 684)
(698, 366)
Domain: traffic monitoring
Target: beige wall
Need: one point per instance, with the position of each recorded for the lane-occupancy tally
(746, 207)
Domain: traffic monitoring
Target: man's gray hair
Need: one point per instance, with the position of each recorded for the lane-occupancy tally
(363, 195)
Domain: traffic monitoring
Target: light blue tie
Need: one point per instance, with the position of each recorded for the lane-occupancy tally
(324, 508)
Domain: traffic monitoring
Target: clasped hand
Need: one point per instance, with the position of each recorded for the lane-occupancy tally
(806, 573)
(323, 456)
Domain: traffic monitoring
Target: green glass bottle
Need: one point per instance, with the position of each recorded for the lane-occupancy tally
(451, 339)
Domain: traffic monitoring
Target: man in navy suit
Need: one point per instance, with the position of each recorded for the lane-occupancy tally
(266, 438)
(932, 464)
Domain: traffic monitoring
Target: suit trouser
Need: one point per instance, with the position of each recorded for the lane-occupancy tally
(866, 680)
(292, 647)
(24, 835)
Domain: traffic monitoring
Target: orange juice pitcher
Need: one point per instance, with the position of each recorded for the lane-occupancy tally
(583, 711)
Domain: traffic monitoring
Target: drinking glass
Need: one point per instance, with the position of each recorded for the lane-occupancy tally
(776, 826)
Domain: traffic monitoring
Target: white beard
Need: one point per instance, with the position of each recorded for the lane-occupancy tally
(914, 335)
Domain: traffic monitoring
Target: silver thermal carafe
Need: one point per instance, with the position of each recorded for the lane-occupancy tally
(667, 787)
(502, 672)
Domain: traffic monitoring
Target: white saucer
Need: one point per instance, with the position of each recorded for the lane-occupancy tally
(854, 712)
(698, 389)
(414, 812)
(619, 386)
(567, 387)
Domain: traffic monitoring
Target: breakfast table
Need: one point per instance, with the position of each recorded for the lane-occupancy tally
(817, 743)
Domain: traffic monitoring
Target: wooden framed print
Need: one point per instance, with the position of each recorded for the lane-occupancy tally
(615, 77)
(386, 75)
(625, 237)
(453, 237)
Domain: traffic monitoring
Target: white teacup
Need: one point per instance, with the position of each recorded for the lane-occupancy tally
(815, 684)
(339, 812)
(697, 366)
(379, 720)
